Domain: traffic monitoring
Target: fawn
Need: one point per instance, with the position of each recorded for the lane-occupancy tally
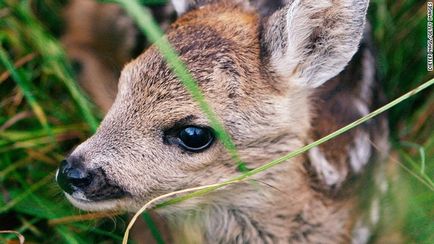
(279, 74)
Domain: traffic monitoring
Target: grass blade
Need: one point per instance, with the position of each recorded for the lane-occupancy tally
(26, 193)
(25, 88)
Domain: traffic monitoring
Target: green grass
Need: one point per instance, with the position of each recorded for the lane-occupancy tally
(47, 115)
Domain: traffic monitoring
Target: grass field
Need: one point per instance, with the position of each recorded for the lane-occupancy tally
(43, 115)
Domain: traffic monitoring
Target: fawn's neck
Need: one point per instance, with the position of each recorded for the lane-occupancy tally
(275, 213)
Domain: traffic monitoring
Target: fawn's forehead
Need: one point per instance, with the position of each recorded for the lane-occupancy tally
(211, 39)
(220, 48)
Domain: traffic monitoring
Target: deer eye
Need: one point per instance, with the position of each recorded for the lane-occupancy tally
(194, 138)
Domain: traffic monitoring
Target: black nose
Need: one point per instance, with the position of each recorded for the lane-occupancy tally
(72, 178)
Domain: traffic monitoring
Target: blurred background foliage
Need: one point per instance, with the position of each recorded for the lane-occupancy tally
(43, 115)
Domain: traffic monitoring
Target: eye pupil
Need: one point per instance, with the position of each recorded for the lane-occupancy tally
(195, 138)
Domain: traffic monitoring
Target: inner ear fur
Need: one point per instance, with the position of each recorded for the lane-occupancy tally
(308, 42)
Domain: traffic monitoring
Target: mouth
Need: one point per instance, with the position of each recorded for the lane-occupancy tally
(79, 200)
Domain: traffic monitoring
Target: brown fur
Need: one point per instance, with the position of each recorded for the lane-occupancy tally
(233, 58)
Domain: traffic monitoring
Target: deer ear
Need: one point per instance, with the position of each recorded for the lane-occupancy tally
(182, 6)
(310, 41)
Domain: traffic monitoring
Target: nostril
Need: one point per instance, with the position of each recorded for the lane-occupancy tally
(78, 178)
(70, 179)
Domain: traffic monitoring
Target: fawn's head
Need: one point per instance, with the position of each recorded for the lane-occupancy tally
(256, 71)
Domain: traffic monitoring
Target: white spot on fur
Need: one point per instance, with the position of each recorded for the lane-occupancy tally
(375, 211)
(180, 6)
(381, 181)
(324, 169)
(384, 186)
(368, 75)
(360, 153)
(361, 233)
(361, 107)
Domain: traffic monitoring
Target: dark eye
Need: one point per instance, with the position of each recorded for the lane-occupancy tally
(194, 138)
